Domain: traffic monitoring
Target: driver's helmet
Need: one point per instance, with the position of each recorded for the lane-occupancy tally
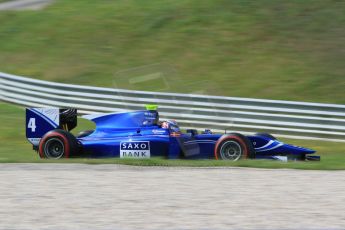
(169, 124)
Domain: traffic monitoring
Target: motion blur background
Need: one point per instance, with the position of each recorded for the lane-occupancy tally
(291, 50)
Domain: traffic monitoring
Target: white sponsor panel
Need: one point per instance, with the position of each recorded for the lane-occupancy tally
(135, 149)
(159, 131)
(34, 141)
(281, 158)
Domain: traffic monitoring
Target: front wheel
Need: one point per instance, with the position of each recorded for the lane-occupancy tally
(57, 144)
(233, 147)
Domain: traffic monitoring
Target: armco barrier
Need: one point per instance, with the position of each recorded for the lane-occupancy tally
(285, 118)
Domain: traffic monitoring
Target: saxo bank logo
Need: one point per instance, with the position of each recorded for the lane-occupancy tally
(135, 149)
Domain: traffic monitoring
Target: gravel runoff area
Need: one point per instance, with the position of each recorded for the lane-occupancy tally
(80, 196)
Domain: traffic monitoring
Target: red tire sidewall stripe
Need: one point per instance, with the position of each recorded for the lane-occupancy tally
(242, 143)
(64, 139)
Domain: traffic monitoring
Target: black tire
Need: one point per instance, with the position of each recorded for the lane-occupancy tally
(266, 135)
(85, 133)
(234, 146)
(58, 144)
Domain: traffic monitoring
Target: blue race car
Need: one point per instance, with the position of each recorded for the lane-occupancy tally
(141, 134)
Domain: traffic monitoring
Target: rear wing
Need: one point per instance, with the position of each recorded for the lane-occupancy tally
(39, 121)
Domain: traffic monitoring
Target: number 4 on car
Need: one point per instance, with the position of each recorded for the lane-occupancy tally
(32, 124)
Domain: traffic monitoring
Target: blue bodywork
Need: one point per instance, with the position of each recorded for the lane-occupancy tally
(138, 134)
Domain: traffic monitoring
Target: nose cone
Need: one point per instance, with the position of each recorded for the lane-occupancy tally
(299, 150)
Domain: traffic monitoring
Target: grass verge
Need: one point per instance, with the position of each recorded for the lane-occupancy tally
(16, 149)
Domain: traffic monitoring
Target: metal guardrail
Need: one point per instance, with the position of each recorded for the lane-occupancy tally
(283, 118)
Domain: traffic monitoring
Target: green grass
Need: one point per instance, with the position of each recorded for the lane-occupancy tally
(291, 50)
(15, 148)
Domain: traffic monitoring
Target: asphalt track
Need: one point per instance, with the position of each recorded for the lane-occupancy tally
(77, 196)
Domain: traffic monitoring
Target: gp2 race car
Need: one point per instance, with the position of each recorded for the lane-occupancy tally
(140, 134)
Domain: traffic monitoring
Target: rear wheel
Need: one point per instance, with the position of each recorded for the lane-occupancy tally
(54, 148)
(57, 144)
(233, 147)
